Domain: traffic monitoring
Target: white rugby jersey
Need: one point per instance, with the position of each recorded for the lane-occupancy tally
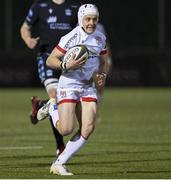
(96, 44)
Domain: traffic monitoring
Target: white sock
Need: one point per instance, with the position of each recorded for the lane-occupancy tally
(54, 115)
(71, 148)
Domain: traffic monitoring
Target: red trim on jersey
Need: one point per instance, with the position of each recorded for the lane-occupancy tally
(67, 101)
(61, 49)
(103, 52)
(89, 99)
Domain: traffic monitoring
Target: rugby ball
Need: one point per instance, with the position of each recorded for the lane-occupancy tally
(78, 50)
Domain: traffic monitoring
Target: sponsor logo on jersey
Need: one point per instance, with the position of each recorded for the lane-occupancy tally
(52, 19)
(74, 6)
(68, 12)
(70, 40)
(55, 107)
(63, 26)
(93, 51)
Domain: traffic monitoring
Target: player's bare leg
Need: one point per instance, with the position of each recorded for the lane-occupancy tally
(65, 125)
(79, 139)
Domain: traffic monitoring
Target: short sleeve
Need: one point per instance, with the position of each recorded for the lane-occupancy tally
(67, 41)
(33, 14)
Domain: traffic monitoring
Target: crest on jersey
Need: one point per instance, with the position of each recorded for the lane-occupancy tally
(68, 12)
(63, 94)
(50, 11)
(98, 39)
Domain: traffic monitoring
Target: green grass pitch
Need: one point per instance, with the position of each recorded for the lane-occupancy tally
(132, 140)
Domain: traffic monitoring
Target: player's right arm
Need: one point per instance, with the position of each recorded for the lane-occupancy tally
(25, 32)
(31, 19)
(54, 61)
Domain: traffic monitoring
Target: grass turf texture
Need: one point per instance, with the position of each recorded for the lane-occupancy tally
(133, 139)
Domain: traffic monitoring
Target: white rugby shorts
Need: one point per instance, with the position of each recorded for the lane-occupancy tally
(76, 93)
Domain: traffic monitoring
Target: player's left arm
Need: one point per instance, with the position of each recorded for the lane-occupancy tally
(105, 67)
(105, 64)
(101, 75)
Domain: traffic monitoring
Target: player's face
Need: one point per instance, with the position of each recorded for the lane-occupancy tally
(89, 23)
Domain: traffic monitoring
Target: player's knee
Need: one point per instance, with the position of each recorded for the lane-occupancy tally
(52, 93)
(51, 86)
(64, 131)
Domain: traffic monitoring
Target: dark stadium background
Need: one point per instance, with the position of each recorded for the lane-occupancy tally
(132, 139)
(138, 31)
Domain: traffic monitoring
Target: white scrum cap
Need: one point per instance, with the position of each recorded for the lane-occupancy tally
(86, 9)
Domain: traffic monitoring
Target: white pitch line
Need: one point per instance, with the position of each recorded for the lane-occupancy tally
(21, 147)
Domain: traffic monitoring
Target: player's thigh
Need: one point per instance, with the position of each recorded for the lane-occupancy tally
(78, 113)
(67, 115)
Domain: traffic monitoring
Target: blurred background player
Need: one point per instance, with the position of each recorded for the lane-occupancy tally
(54, 18)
